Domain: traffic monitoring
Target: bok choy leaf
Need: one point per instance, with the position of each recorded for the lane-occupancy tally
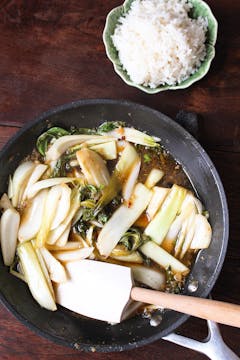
(154, 177)
(9, 226)
(202, 234)
(19, 181)
(129, 159)
(73, 255)
(56, 270)
(63, 205)
(47, 137)
(155, 279)
(158, 196)
(122, 219)
(62, 144)
(31, 217)
(109, 126)
(130, 182)
(38, 171)
(175, 235)
(47, 183)
(108, 150)
(50, 208)
(133, 257)
(134, 136)
(35, 277)
(5, 202)
(132, 239)
(93, 167)
(162, 257)
(159, 226)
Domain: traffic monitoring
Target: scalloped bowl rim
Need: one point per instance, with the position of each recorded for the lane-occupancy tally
(186, 83)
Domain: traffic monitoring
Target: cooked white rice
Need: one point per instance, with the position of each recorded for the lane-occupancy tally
(158, 43)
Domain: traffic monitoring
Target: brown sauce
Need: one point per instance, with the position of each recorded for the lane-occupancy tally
(173, 171)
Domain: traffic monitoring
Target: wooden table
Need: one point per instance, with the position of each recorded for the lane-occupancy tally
(52, 53)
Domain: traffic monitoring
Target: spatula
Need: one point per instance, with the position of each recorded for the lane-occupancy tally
(104, 291)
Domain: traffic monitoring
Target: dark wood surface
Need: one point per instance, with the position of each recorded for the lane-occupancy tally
(52, 53)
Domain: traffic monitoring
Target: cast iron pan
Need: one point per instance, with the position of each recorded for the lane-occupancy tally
(89, 335)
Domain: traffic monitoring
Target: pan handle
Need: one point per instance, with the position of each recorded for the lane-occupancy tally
(213, 346)
(224, 313)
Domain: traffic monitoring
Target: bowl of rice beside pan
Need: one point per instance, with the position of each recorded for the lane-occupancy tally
(158, 45)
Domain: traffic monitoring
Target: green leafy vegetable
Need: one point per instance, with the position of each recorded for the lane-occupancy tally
(104, 127)
(89, 195)
(109, 192)
(116, 201)
(44, 140)
(81, 227)
(89, 191)
(147, 158)
(102, 217)
(61, 167)
(78, 131)
(109, 126)
(87, 215)
(133, 238)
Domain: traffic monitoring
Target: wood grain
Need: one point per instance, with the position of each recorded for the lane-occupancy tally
(52, 53)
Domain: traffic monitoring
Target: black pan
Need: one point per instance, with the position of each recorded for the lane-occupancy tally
(82, 333)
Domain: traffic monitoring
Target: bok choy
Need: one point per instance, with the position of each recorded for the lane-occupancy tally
(63, 143)
(177, 231)
(122, 176)
(100, 194)
(50, 207)
(108, 150)
(9, 226)
(162, 257)
(159, 226)
(35, 277)
(122, 219)
(93, 167)
(19, 181)
(134, 136)
(47, 137)
(31, 218)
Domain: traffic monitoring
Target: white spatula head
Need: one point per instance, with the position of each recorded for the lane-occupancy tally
(96, 289)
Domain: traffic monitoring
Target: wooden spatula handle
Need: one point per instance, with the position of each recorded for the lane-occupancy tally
(221, 312)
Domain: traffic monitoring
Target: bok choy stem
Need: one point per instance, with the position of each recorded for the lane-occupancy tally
(122, 219)
(162, 257)
(122, 171)
(34, 276)
(158, 227)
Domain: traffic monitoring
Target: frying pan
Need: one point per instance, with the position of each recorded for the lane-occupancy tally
(86, 334)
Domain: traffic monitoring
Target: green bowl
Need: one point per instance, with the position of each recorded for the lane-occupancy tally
(200, 8)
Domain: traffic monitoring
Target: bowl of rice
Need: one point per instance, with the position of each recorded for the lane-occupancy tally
(158, 45)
